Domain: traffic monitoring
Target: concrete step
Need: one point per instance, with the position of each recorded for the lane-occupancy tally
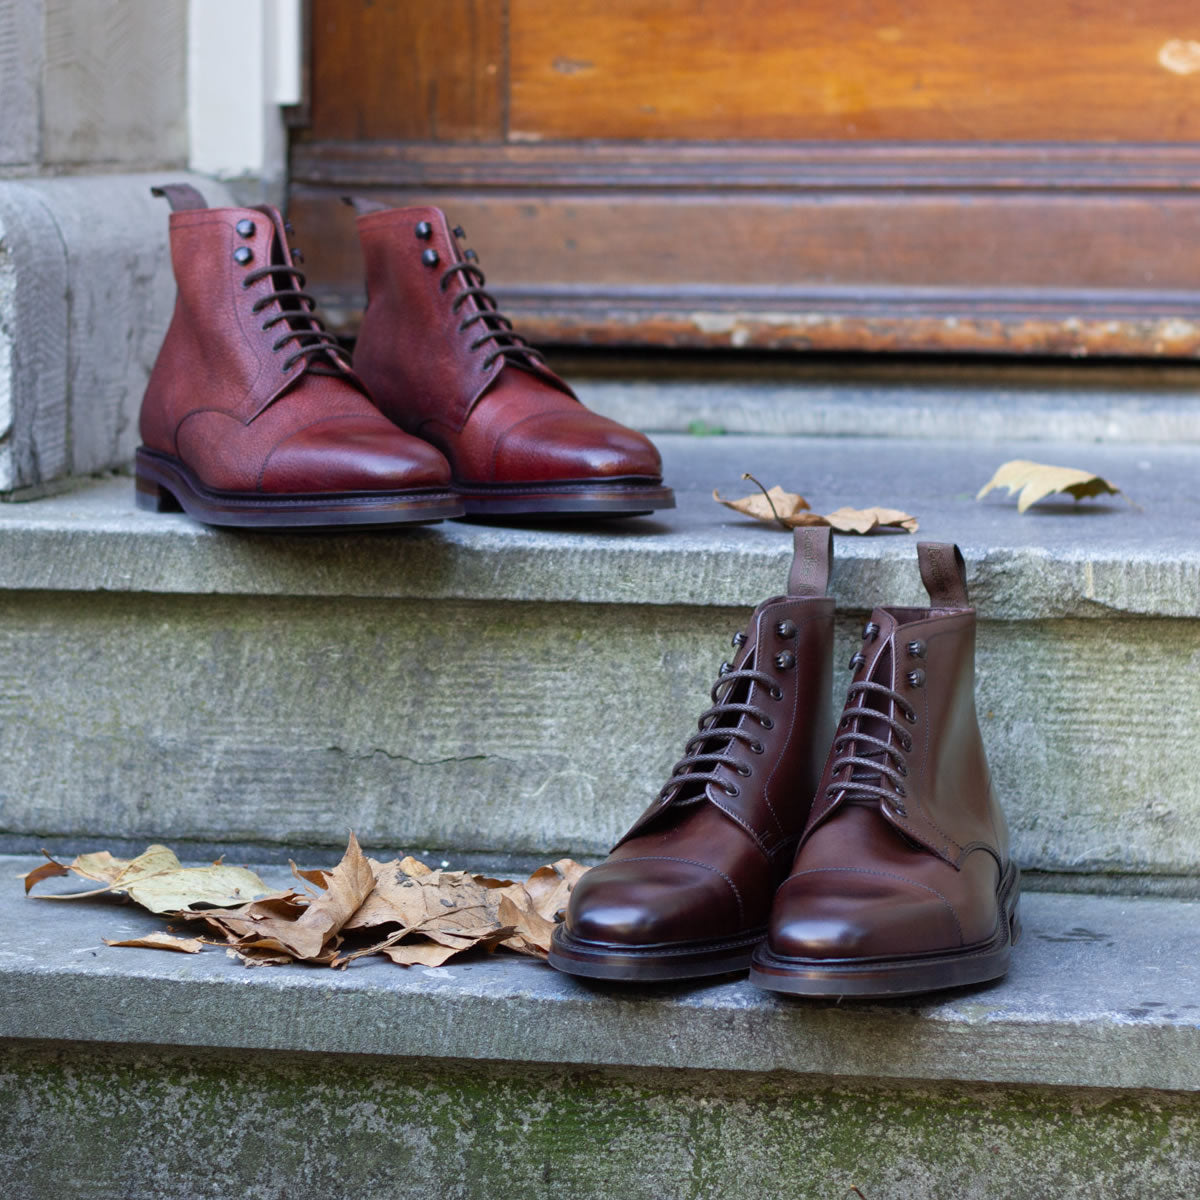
(138, 1072)
(522, 691)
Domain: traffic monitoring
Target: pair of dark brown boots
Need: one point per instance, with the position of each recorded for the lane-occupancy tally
(884, 873)
(254, 416)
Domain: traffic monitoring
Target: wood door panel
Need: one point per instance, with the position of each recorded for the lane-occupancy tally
(434, 70)
(1023, 70)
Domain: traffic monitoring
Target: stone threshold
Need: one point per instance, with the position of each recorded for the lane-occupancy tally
(1107, 558)
(1104, 993)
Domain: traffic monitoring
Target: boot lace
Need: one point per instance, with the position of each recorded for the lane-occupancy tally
(878, 765)
(298, 310)
(715, 745)
(496, 327)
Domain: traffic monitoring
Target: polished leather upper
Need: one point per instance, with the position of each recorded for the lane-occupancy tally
(424, 352)
(246, 414)
(917, 873)
(702, 863)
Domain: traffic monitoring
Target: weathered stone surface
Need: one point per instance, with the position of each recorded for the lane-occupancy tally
(1013, 401)
(524, 728)
(122, 1124)
(115, 84)
(86, 292)
(1103, 992)
(21, 57)
(1062, 559)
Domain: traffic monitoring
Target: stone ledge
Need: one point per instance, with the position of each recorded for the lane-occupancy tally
(1103, 993)
(1095, 559)
(86, 292)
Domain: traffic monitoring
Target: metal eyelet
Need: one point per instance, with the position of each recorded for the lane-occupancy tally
(916, 678)
(756, 747)
(859, 660)
(430, 257)
(900, 790)
(731, 789)
(459, 231)
(870, 630)
(776, 693)
(245, 228)
(744, 771)
(897, 808)
(906, 743)
(785, 660)
(423, 230)
(916, 649)
(243, 256)
(767, 723)
(902, 770)
(786, 629)
(725, 668)
(911, 716)
(739, 640)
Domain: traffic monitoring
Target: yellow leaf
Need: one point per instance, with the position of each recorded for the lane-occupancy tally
(161, 941)
(866, 520)
(1035, 481)
(774, 506)
(156, 880)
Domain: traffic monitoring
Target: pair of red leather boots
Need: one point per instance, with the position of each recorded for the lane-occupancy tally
(254, 417)
(883, 872)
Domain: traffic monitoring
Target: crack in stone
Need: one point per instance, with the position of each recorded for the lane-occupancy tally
(418, 762)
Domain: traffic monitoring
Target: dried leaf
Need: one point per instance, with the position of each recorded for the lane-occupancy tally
(161, 941)
(303, 927)
(775, 506)
(1035, 481)
(531, 931)
(156, 880)
(867, 520)
(790, 511)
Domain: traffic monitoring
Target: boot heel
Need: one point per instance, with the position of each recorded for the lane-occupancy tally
(153, 497)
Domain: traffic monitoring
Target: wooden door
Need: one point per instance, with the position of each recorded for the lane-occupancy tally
(1005, 175)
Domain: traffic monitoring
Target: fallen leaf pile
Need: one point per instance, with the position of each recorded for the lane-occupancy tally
(404, 910)
(789, 510)
(1036, 481)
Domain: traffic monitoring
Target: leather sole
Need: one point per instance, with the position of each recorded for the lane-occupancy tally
(688, 960)
(628, 497)
(901, 976)
(164, 484)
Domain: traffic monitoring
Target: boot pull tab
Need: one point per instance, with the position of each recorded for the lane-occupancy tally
(362, 205)
(181, 196)
(944, 574)
(812, 561)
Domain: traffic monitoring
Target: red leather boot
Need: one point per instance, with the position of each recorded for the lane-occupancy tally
(688, 889)
(252, 415)
(903, 881)
(444, 363)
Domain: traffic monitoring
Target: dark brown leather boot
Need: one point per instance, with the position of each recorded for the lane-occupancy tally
(688, 889)
(252, 416)
(902, 882)
(442, 362)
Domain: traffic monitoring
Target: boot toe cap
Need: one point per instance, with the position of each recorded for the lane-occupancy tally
(574, 444)
(838, 915)
(651, 902)
(353, 454)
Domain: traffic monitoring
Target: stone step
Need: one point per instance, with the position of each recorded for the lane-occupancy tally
(522, 691)
(496, 1076)
(903, 397)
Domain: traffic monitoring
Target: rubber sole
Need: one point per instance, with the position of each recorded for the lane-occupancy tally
(651, 964)
(879, 978)
(164, 484)
(628, 497)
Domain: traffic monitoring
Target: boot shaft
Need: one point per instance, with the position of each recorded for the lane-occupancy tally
(914, 690)
(432, 341)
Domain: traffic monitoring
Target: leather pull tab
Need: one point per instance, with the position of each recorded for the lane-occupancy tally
(362, 205)
(812, 561)
(181, 196)
(944, 574)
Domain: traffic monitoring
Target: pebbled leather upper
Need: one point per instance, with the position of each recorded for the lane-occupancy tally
(499, 421)
(223, 400)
